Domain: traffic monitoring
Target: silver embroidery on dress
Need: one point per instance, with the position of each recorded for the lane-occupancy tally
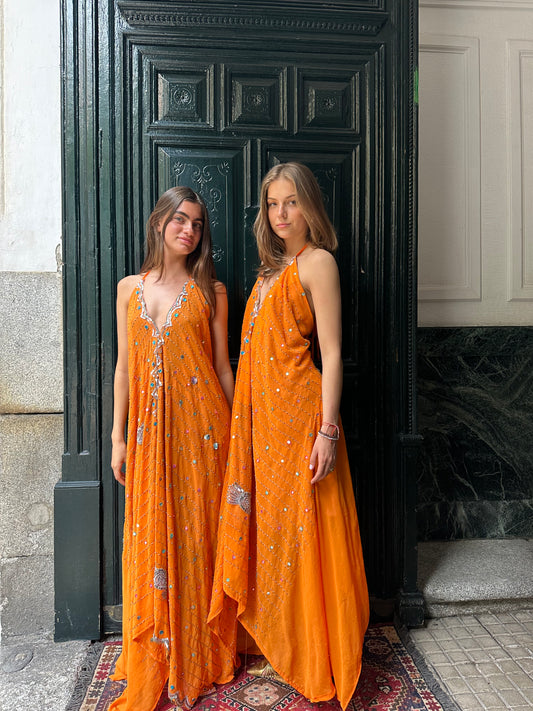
(237, 495)
(160, 579)
(155, 375)
(140, 431)
(162, 640)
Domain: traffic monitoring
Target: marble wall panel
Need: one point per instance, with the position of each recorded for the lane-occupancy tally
(475, 477)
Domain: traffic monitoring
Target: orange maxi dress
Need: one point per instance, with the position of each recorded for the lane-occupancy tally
(289, 562)
(178, 430)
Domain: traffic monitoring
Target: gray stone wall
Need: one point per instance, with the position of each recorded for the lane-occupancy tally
(31, 444)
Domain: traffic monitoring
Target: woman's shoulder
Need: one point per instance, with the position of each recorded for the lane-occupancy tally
(317, 255)
(317, 263)
(129, 281)
(128, 284)
(219, 287)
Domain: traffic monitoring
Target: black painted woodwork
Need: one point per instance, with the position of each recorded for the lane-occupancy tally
(212, 94)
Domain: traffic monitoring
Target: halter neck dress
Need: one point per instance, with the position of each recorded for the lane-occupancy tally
(289, 563)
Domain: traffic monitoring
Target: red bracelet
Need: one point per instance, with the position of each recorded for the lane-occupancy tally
(330, 424)
(334, 437)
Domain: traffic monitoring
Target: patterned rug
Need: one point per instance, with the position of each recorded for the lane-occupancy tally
(393, 678)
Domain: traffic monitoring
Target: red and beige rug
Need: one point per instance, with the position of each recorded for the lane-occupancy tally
(390, 681)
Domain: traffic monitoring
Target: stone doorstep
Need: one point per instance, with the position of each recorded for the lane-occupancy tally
(475, 576)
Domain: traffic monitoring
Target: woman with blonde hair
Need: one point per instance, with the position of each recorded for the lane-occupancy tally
(289, 563)
(174, 387)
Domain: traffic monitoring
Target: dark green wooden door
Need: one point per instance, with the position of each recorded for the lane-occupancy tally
(211, 95)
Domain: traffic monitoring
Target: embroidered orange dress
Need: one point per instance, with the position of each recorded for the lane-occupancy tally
(289, 561)
(178, 429)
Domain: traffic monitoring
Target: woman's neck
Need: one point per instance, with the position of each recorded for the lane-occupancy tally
(293, 247)
(172, 272)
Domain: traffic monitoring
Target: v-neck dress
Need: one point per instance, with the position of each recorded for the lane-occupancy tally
(289, 563)
(178, 430)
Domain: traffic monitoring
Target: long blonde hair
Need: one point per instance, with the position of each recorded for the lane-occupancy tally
(200, 265)
(321, 234)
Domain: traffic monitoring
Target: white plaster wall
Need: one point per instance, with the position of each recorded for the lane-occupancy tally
(31, 378)
(30, 144)
(476, 163)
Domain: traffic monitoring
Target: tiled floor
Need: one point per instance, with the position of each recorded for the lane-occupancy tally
(484, 661)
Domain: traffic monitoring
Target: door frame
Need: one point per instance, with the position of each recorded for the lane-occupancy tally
(91, 220)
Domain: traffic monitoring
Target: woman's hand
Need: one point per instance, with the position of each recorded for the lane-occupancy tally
(118, 460)
(323, 458)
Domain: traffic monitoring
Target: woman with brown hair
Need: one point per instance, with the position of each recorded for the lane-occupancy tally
(289, 563)
(174, 387)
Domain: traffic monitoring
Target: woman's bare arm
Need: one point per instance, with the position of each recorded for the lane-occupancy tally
(219, 337)
(121, 385)
(320, 277)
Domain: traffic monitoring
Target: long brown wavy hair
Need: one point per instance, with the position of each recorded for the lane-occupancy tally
(321, 234)
(200, 265)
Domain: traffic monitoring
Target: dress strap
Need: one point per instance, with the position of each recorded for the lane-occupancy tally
(302, 249)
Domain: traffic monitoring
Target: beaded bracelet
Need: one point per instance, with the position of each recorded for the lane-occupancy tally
(326, 436)
(335, 427)
(332, 438)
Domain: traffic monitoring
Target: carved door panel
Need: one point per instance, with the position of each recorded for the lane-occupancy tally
(211, 95)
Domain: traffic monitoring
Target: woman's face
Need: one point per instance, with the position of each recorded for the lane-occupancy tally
(284, 214)
(184, 230)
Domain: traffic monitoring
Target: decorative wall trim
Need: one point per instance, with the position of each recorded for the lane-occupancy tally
(520, 150)
(458, 192)
(479, 4)
(167, 15)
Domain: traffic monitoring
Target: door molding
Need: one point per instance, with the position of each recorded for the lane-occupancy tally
(98, 213)
(358, 20)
